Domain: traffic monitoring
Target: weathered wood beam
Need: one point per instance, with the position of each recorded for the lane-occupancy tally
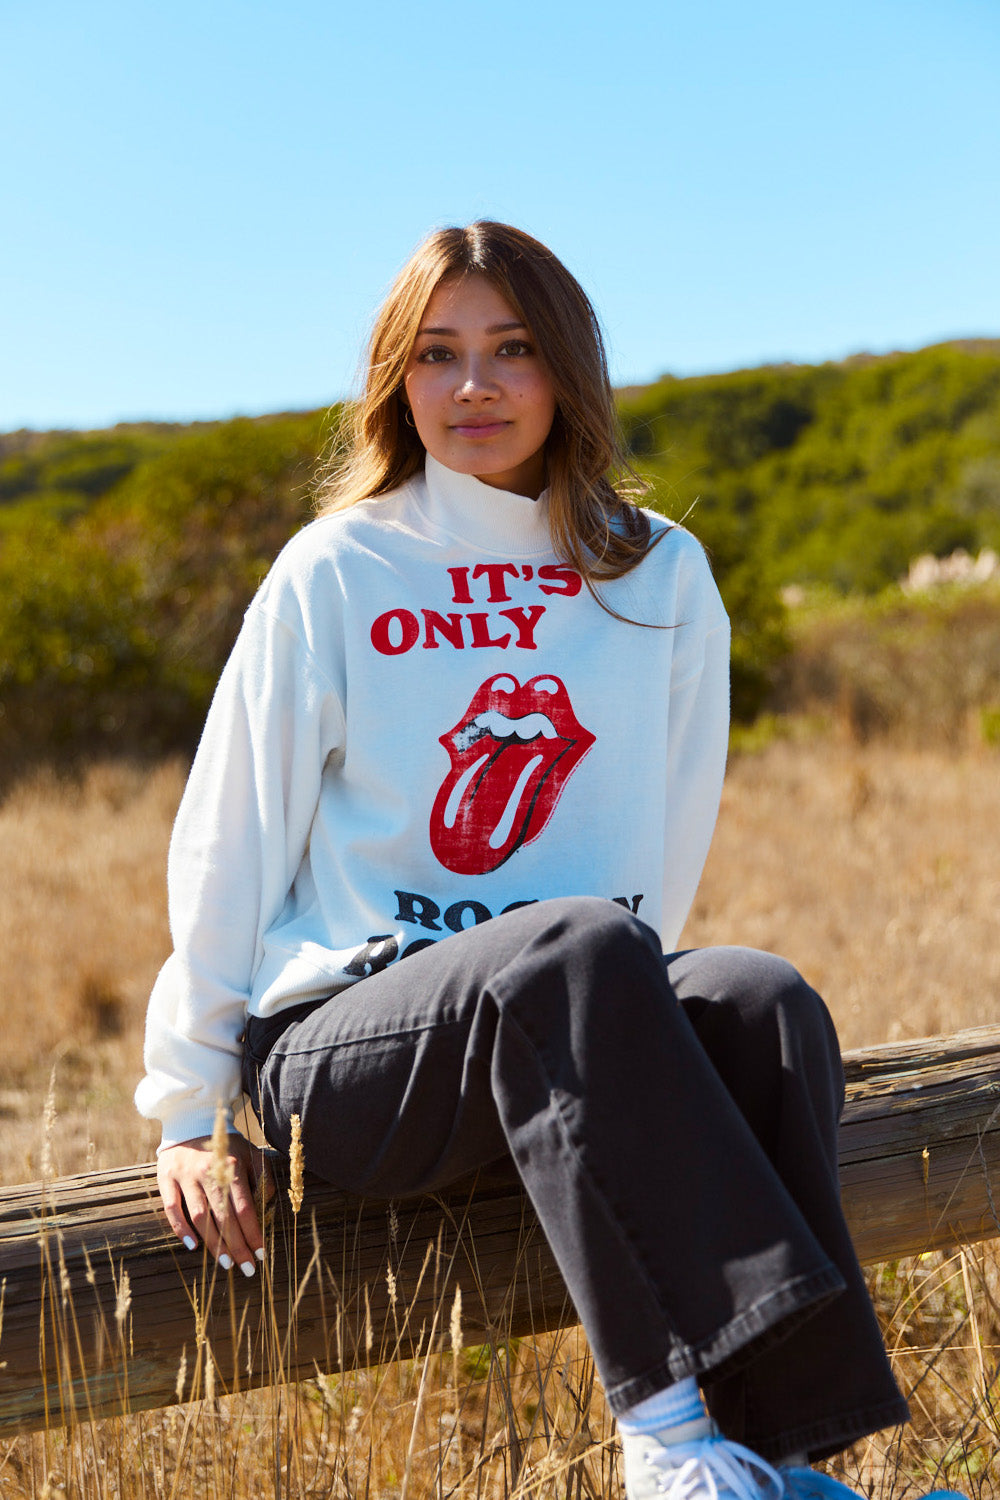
(103, 1312)
(920, 1144)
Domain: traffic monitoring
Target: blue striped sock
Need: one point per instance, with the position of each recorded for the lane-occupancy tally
(674, 1406)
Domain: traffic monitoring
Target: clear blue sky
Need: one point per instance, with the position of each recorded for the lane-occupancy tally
(202, 203)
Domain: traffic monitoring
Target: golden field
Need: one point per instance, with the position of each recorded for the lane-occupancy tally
(872, 867)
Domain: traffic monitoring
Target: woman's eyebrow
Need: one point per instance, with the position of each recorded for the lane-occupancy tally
(454, 333)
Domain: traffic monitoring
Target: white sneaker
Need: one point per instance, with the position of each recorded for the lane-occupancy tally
(707, 1468)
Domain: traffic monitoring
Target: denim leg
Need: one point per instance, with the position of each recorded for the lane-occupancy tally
(772, 1042)
(553, 1033)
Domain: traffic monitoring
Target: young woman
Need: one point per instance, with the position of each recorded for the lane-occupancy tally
(452, 802)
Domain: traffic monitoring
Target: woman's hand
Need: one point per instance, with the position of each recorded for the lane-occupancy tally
(213, 1195)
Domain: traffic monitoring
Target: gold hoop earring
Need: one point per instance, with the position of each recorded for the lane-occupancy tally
(408, 418)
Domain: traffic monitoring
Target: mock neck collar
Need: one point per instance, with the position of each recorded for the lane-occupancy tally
(494, 520)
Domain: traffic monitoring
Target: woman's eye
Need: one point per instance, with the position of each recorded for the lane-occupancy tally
(516, 347)
(435, 355)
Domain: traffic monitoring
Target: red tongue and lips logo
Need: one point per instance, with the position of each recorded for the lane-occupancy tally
(512, 753)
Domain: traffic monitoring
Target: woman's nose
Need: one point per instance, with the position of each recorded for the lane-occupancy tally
(475, 382)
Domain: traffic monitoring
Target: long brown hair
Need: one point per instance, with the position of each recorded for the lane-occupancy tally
(594, 517)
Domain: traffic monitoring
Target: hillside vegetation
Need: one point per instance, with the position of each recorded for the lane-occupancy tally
(122, 591)
(832, 474)
(127, 557)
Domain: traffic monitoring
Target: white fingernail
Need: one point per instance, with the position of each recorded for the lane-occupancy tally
(248, 1268)
(260, 1254)
(225, 1261)
(189, 1243)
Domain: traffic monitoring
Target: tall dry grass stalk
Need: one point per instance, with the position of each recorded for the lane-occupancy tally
(865, 865)
(296, 1165)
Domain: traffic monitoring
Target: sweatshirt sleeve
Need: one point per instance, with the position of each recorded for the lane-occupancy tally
(240, 836)
(697, 742)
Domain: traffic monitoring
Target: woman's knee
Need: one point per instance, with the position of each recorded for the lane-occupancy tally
(756, 1013)
(588, 968)
(780, 998)
(604, 948)
(767, 1033)
(596, 923)
(758, 982)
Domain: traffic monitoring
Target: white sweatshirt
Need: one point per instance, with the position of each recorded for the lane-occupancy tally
(426, 720)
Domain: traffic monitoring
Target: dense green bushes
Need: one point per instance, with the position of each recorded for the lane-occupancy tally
(201, 525)
(114, 625)
(61, 474)
(835, 475)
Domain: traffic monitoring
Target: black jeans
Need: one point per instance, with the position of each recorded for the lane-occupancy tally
(674, 1123)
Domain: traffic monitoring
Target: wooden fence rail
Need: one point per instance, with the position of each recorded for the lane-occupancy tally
(101, 1312)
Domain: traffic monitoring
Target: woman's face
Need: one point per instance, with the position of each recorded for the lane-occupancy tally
(480, 394)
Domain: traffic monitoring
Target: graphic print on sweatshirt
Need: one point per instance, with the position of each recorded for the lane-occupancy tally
(512, 753)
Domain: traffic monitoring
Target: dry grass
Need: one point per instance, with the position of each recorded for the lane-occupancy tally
(873, 868)
(83, 930)
(918, 667)
(519, 1420)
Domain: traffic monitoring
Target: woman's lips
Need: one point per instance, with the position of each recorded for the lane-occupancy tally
(479, 429)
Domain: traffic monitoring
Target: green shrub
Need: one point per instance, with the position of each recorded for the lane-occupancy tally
(838, 474)
(78, 664)
(201, 524)
(114, 628)
(81, 463)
